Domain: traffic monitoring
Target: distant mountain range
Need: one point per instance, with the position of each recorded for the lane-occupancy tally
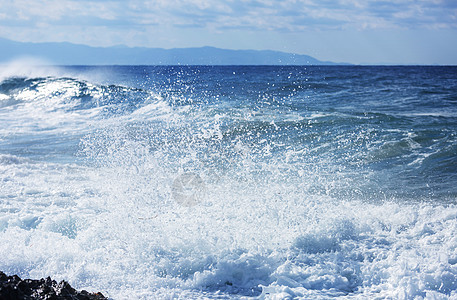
(74, 54)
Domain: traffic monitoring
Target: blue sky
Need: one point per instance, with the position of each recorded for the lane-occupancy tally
(354, 31)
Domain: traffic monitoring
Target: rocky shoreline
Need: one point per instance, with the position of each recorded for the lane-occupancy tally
(14, 288)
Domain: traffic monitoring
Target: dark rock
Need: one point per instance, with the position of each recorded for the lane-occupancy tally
(14, 288)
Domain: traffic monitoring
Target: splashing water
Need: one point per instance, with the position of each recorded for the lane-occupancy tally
(229, 182)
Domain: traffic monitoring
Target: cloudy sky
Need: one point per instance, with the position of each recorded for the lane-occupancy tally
(354, 31)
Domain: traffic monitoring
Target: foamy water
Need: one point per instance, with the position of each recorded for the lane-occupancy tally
(195, 182)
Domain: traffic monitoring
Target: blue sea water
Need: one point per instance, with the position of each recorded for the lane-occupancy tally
(202, 182)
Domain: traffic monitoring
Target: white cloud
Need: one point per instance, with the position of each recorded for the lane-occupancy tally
(264, 14)
(139, 22)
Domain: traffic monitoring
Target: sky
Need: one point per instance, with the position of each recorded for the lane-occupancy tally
(351, 31)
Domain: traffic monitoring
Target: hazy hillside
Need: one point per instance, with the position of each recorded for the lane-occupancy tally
(73, 54)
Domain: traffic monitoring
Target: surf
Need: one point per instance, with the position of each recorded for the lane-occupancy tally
(209, 182)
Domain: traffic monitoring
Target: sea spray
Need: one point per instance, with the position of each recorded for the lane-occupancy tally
(229, 182)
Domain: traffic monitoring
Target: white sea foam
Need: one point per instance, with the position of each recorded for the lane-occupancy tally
(119, 231)
(280, 214)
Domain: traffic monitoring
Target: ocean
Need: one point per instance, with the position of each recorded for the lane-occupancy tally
(229, 182)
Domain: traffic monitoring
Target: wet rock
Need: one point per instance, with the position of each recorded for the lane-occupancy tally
(14, 288)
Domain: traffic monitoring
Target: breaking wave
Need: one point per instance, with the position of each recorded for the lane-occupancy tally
(229, 182)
